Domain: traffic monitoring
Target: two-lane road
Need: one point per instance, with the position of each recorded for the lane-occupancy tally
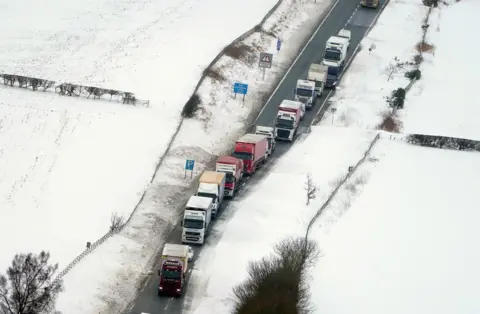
(344, 14)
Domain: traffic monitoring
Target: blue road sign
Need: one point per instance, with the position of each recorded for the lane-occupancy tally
(279, 44)
(239, 88)
(189, 164)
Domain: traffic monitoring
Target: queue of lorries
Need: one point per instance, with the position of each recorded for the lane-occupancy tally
(250, 152)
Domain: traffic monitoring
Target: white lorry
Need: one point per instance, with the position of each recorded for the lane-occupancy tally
(335, 53)
(196, 219)
(288, 118)
(317, 73)
(212, 184)
(269, 132)
(306, 93)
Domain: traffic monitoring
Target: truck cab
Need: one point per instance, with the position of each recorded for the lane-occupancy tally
(305, 93)
(233, 169)
(288, 118)
(335, 51)
(332, 77)
(173, 267)
(196, 219)
(269, 132)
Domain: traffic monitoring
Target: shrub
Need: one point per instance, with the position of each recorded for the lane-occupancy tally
(278, 284)
(390, 123)
(414, 74)
(215, 75)
(192, 106)
(424, 47)
(417, 59)
(429, 3)
(238, 51)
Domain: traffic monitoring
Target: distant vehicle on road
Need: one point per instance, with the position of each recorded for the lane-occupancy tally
(317, 73)
(369, 3)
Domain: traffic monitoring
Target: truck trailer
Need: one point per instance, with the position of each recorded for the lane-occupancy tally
(173, 268)
(233, 169)
(212, 184)
(269, 132)
(317, 73)
(252, 149)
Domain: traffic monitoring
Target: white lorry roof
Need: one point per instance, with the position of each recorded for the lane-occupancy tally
(265, 130)
(251, 138)
(336, 41)
(212, 177)
(305, 83)
(199, 202)
(291, 104)
(319, 68)
(345, 33)
(177, 250)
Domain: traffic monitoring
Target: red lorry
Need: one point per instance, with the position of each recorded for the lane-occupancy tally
(253, 150)
(233, 168)
(174, 265)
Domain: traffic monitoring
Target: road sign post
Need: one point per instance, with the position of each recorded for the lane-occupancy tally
(265, 62)
(279, 44)
(333, 110)
(189, 165)
(240, 88)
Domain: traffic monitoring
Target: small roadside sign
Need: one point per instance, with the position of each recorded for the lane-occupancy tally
(240, 88)
(279, 44)
(189, 165)
(265, 60)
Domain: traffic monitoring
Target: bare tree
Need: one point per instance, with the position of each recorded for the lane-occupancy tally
(9, 79)
(393, 67)
(22, 81)
(29, 286)
(112, 93)
(46, 84)
(99, 92)
(116, 222)
(129, 98)
(310, 189)
(34, 83)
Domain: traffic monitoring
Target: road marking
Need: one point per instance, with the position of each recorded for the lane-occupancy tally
(352, 57)
(296, 59)
(351, 16)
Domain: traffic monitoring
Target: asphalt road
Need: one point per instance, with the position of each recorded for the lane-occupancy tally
(345, 14)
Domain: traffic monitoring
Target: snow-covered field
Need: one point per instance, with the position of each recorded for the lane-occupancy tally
(110, 285)
(270, 218)
(407, 244)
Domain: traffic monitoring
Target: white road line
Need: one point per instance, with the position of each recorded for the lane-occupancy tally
(296, 59)
(349, 60)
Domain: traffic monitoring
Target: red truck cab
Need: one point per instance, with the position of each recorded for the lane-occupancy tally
(233, 168)
(253, 150)
(172, 279)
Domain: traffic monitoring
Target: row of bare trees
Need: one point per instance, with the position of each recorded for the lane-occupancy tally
(67, 89)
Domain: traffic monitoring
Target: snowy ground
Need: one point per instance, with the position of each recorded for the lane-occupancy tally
(221, 120)
(364, 104)
(270, 218)
(406, 243)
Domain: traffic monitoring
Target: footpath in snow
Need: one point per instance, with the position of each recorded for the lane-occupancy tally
(220, 120)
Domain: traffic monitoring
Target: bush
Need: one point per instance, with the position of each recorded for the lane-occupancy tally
(424, 47)
(238, 51)
(429, 3)
(192, 106)
(215, 75)
(414, 74)
(444, 142)
(278, 284)
(417, 59)
(390, 124)
(397, 98)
